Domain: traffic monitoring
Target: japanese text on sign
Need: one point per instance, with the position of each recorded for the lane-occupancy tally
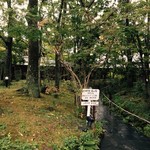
(95, 103)
(90, 94)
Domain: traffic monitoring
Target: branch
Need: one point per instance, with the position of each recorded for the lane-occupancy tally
(86, 81)
(60, 13)
(75, 77)
(91, 3)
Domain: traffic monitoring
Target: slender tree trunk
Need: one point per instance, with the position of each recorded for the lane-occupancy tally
(129, 68)
(144, 64)
(8, 62)
(58, 45)
(57, 70)
(8, 42)
(33, 52)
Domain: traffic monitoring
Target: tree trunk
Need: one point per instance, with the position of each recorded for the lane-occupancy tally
(58, 47)
(57, 70)
(129, 68)
(33, 79)
(8, 62)
(33, 70)
(8, 42)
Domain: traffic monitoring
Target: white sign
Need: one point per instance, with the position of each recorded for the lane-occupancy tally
(86, 103)
(90, 94)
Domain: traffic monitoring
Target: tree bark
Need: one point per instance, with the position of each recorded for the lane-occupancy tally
(33, 78)
(8, 62)
(58, 46)
(129, 68)
(57, 70)
(8, 42)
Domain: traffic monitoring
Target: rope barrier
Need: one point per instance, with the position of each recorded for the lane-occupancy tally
(140, 118)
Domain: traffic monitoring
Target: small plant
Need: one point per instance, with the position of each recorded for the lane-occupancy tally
(147, 130)
(2, 127)
(139, 89)
(71, 143)
(6, 143)
(98, 129)
(86, 142)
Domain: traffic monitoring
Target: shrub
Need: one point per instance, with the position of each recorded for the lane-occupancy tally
(71, 143)
(138, 89)
(147, 130)
(87, 141)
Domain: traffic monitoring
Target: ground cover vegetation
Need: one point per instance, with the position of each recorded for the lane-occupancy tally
(30, 123)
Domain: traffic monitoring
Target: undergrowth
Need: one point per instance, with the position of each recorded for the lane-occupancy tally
(7, 143)
(89, 140)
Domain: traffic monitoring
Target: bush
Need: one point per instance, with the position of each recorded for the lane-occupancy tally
(87, 141)
(147, 130)
(139, 89)
(71, 143)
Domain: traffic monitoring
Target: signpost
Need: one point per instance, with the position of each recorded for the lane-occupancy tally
(90, 98)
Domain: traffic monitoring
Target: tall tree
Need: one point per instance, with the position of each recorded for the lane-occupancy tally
(58, 44)
(33, 72)
(8, 41)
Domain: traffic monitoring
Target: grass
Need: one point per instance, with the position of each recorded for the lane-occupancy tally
(45, 121)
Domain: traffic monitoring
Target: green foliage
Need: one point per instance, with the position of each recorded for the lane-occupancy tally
(3, 126)
(138, 89)
(98, 131)
(2, 55)
(147, 130)
(137, 106)
(6, 143)
(72, 86)
(87, 141)
(71, 143)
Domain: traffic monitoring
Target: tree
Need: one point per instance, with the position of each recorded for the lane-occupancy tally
(73, 27)
(33, 72)
(127, 34)
(12, 30)
(8, 41)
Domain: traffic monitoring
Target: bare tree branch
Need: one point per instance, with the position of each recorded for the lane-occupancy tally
(60, 13)
(91, 3)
